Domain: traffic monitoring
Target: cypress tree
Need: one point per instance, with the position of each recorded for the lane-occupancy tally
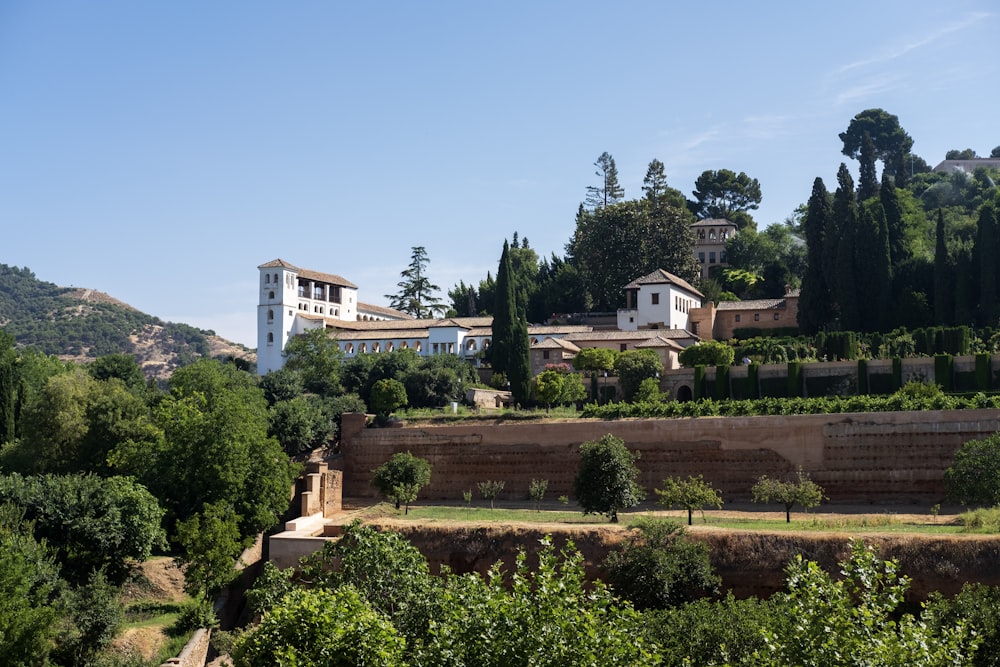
(873, 277)
(893, 219)
(845, 226)
(944, 304)
(815, 310)
(509, 351)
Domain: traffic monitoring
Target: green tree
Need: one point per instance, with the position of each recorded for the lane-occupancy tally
(321, 628)
(210, 542)
(124, 367)
(707, 353)
(690, 494)
(417, 295)
(544, 616)
(857, 619)
(509, 352)
(801, 491)
(894, 220)
(874, 284)
(814, 302)
(974, 606)
(300, 424)
(867, 178)
(490, 489)
(388, 395)
(634, 366)
(973, 478)
(536, 492)
(8, 388)
(91, 523)
(317, 357)
(400, 478)
(605, 481)
(944, 302)
(594, 361)
(726, 194)
(845, 229)
(657, 567)
(547, 387)
(609, 191)
(215, 449)
(891, 142)
(28, 582)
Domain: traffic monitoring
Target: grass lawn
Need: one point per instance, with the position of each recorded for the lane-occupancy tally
(765, 520)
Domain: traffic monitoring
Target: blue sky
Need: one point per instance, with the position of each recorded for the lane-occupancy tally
(161, 151)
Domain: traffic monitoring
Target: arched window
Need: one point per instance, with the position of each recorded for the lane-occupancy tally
(270, 338)
(349, 348)
(470, 345)
(404, 345)
(376, 347)
(389, 347)
(267, 278)
(270, 295)
(363, 348)
(270, 315)
(419, 346)
(275, 278)
(711, 235)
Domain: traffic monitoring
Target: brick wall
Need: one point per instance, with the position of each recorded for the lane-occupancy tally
(861, 457)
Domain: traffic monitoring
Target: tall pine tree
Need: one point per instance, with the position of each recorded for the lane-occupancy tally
(873, 275)
(987, 242)
(893, 220)
(867, 180)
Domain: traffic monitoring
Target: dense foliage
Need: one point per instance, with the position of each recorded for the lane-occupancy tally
(605, 481)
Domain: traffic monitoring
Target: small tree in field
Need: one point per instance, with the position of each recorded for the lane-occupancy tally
(801, 491)
(536, 491)
(490, 489)
(691, 494)
(605, 481)
(400, 478)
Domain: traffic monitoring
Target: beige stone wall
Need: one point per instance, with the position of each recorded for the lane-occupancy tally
(860, 457)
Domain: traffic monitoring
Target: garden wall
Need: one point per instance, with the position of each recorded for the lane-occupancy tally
(894, 457)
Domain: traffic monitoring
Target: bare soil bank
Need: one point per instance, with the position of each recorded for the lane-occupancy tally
(751, 563)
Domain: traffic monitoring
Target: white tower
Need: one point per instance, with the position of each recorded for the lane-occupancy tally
(276, 313)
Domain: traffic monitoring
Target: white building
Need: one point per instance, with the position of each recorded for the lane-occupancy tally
(294, 300)
(660, 300)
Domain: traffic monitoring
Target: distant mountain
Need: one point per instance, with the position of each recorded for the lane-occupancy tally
(81, 325)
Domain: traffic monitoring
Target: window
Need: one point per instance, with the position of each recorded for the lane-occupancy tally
(270, 295)
(623, 347)
(270, 315)
(701, 257)
(722, 257)
(737, 317)
(711, 235)
(267, 278)
(270, 338)
(711, 258)
(777, 316)
(545, 354)
(655, 296)
(756, 317)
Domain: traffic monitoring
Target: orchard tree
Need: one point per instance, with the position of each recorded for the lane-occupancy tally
(690, 494)
(400, 478)
(417, 295)
(657, 567)
(801, 491)
(605, 481)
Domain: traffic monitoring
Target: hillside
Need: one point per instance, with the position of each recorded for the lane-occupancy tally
(81, 324)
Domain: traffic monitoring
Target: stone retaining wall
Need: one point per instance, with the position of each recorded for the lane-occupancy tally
(860, 457)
